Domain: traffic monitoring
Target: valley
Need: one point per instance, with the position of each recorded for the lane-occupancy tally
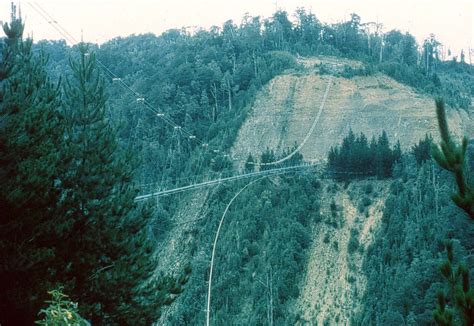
(272, 171)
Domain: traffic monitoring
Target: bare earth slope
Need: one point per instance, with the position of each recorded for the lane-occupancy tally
(284, 110)
(332, 289)
(282, 114)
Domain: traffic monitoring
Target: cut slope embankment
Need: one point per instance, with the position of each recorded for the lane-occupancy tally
(286, 107)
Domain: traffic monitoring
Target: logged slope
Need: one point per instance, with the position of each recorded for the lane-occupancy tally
(285, 109)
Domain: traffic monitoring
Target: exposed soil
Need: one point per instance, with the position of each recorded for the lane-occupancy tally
(286, 107)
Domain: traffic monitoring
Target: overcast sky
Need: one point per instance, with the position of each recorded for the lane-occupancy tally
(100, 20)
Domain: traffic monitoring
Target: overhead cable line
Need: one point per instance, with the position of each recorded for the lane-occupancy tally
(64, 33)
(225, 179)
(208, 309)
(308, 134)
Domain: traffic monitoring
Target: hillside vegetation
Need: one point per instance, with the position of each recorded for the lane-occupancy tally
(78, 143)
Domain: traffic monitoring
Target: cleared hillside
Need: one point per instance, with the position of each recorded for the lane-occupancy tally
(286, 107)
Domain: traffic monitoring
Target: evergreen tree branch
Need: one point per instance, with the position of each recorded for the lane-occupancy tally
(451, 157)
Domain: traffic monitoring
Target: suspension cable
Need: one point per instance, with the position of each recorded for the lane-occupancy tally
(64, 33)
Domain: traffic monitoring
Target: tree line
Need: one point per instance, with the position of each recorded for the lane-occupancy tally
(356, 157)
(206, 81)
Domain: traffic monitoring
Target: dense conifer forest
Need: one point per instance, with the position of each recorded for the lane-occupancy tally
(76, 148)
(357, 158)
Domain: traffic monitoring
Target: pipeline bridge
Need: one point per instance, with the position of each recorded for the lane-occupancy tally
(274, 171)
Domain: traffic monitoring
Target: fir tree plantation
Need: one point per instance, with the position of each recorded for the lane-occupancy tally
(376, 233)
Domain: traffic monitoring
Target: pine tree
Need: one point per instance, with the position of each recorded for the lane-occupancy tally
(443, 315)
(30, 137)
(460, 294)
(384, 157)
(355, 157)
(451, 157)
(109, 248)
(249, 164)
(421, 151)
(268, 156)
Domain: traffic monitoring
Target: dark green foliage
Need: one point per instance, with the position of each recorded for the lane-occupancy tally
(368, 188)
(267, 157)
(401, 48)
(353, 241)
(106, 232)
(366, 201)
(350, 72)
(221, 163)
(422, 150)
(67, 198)
(363, 204)
(402, 263)
(400, 62)
(289, 157)
(443, 315)
(295, 158)
(458, 83)
(451, 156)
(326, 238)
(333, 206)
(30, 137)
(357, 158)
(470, 156)
(249, 164)
(460, 294)
(281, 60)
(225, 66)
(206, 82)
(324, 69)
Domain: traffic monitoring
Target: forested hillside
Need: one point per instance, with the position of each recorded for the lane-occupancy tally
(206, 81)
(402, 267)
(87, 128)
